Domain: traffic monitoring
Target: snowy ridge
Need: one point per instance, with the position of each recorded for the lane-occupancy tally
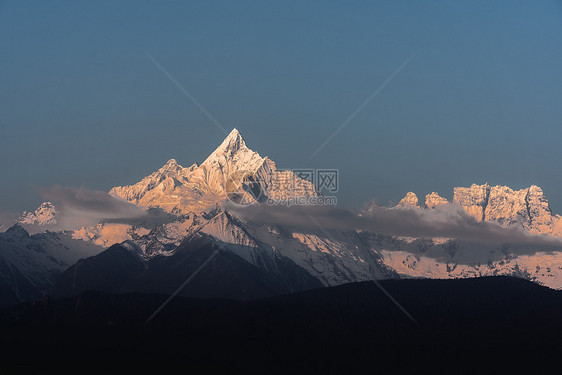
(410, 200)
(454, 259)
(107, 234)
(333, 261)
(182, 190)
(526, 208)
(433, 200)
(45, 214)
(30, 264)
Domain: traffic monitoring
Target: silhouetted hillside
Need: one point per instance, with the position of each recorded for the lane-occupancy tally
(460, 325)
(120, 269)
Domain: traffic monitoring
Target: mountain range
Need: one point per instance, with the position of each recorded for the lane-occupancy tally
(527, 208)
(251, 258)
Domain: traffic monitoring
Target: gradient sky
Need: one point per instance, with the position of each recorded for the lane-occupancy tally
(81, 104)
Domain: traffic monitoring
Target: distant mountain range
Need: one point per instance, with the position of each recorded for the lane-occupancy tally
(30, 265)
(527, 208)
(255, 259)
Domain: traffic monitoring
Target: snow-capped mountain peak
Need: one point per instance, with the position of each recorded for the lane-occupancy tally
(174, 170)
(434, 200)
(171, 165)
(183, 190)
(43, 215)
(232, 143)
(410, 200)
(232, 155)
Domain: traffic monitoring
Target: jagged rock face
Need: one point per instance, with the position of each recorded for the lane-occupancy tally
(527, 208)
(159, 189)
(540, 213)
(183, 190)
(44, 215)
(434, 200)
(473, 199)
(507, 207)
(410, 200)
(277, 184)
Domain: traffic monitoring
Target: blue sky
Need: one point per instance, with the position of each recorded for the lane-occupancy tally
(81, 104)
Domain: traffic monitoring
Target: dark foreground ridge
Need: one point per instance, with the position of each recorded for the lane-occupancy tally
(461, 325)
